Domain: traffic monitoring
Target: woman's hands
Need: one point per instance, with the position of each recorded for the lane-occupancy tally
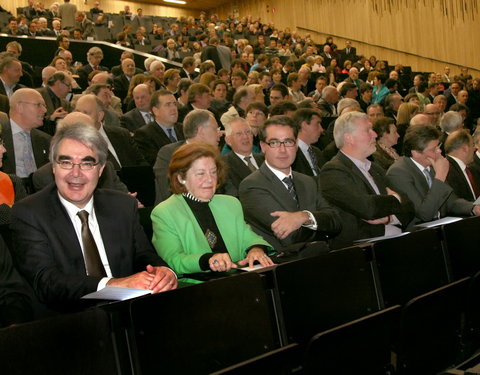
(221, 262)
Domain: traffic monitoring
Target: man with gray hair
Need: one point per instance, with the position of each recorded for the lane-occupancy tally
(198, 126)
(327, 104)
(358, 188)
(94, 58)
(449, 122)
(241, 161)
(72, 239)
(241, 100)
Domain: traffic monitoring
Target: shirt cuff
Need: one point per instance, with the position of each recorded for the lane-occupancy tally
(103, 283)
(312, 222)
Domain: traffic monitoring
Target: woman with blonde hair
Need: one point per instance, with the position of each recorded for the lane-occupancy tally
(405, 113)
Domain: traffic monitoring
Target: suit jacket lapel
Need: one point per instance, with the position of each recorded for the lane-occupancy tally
(420, 177)
(40, 154)
(347, 162)
(9, 162)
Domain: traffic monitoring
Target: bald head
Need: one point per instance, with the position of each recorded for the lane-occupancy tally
(47, 72)
(100, 78)
(92, 107)
(73, 118)
(27, 108)
(421, 119)
(142, 95)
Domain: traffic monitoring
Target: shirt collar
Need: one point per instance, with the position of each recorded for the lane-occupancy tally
(363, 165)
(420, 166)
(72, 210)
(280, 175)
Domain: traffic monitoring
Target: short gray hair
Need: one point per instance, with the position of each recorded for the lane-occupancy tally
(451, 121)
(83, 133)
(346, 123)
(345, 103)
(228, 126)
(193, 120)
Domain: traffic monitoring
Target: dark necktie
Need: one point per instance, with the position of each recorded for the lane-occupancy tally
(170, 135)
(291, 189)
(249, 163)
(426, 172)
(314, 160)
(93, 263)
(476, 191)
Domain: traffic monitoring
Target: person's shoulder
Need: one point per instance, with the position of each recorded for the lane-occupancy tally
(37, 202)
(226, 200)
(41, 134)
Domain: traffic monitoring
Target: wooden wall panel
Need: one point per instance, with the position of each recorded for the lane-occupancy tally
(112, 6)
(418, 31)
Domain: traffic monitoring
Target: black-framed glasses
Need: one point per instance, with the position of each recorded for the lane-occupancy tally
(84, 165)
(275, 143)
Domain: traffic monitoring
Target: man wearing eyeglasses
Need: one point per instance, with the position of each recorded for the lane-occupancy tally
(27, 147)
(54, 94)
(73, 239)
(281, 205)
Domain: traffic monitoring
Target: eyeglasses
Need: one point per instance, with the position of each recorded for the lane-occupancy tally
(38, 104)
(69, 85)
(245, 132)
(84, 165)
(275, 143)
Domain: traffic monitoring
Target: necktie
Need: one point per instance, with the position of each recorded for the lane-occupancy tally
(29, 163)
(291, 189)
(476, 191)
(249, 163)
(426, 172)
(314, 160)
(171, 136)
(93, 263)
(148, 117)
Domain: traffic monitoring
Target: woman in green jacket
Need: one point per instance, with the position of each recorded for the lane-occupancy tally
(195, 230)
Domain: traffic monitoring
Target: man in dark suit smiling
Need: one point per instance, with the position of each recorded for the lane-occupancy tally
(72, 239)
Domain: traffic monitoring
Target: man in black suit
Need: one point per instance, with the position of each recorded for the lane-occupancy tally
(188, 68)
(83, 24)
(241, 161)
(10, 73)
(309, 158)
(199, 97)
(122, 82)
(358, 188)
(349, 53)
(54, 94)
(281, 205)
(163, 130)
(94, 58)
(141, 114)
(71, 239)
(199, 126)
(330, 98)
(12, 27)
(122, 149)
(210, 52)
(27, 147)
(460, 149)
(4, 104)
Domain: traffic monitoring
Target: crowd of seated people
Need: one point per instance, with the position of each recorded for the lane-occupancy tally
(305, 150)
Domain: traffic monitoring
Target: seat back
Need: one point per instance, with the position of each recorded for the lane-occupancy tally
(202, 328)
(359, 347)
(429, 332)
(322, 292)
(409, 266)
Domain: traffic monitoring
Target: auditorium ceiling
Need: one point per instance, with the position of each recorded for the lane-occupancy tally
(193, 4)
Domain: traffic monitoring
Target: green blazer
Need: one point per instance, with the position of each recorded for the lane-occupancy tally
(179, 240)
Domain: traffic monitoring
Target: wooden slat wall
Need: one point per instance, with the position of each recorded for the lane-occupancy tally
(445, 30)
(112, 6)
